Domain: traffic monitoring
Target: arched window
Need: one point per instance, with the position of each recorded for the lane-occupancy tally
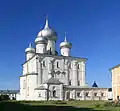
(39, 94)
(50, 51)
(69, 82)
(43, 63)
(86, 94)
(78, 94)
(95, 94)
(28, 91)
(68, 95)
(24, 84)
(69, 65)
(78, 83)
(78, 66)
(102, 94)
(54, 91)
(57, 64)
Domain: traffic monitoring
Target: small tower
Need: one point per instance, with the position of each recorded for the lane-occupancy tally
(30, 52)
(65, 47)
(51, 35)
(41, 44)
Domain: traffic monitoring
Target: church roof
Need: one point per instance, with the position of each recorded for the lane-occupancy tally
(53, 80)
(29, 74)
(56, 56)
(94, 84)
(82, 87)
(115, 67)
(40, 88)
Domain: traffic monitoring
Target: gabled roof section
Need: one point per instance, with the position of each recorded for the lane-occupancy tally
(29, 74)
(41, 88)
(56, 56)
(53, 80)
(114, 67)
(82, 87)
(94, 84)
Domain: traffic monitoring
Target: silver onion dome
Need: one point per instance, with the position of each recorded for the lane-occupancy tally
(65, 43)
(48, 32)
(30, 49)
(41, 40)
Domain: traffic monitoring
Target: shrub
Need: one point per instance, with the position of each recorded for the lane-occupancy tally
(110, 104)
(97, 105)
(4, 97)
(71, 99)
(59, 102)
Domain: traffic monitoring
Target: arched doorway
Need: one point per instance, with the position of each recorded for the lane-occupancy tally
(67, 95)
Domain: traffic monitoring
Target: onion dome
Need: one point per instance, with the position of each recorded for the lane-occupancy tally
(41, 40)
(66, 43)
(94, 84)
(48, 32)
(30, 49)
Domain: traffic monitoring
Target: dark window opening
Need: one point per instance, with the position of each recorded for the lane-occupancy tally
(86, 94)
(39, 94)
(70, 82)
(70, 66)
(78, 94)
(57, 64)
(43, 63)
(95, 94)
(78, 83)
(78, 66)
(54, 93)
(102, 94)
(118, 98)
(50, 52)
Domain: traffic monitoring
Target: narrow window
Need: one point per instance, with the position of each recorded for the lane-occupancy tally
(78, 83)
(50, 51)
(118, 98)
(86, 94)
(95, 94)
(39, 95)
(78, 66)
(102, 94)
(24, 84)
(28, 91)
(43, 63)
(54, 91)
(70, 66)
(57, 64)
(78, 94)
(70, 82)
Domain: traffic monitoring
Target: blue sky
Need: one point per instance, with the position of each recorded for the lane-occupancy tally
(93, 27)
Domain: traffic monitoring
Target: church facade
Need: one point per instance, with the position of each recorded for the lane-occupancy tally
(50, 76)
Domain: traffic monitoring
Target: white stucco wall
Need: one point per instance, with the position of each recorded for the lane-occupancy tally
(41, 48)
(65, 51)
(64, 70)
(51, 45)
(30, 66)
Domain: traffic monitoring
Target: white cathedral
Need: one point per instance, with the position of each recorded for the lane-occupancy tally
(50, 76)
